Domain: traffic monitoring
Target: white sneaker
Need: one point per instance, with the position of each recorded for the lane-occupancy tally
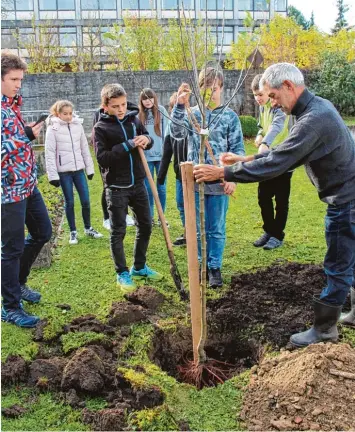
(106, 224)
(92, 233)
(73, 239)
(130, 221)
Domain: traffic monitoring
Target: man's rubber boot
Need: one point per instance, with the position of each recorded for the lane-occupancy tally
(324, 328)
(348, 319)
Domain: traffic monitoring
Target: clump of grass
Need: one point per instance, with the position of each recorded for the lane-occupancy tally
(71, 341)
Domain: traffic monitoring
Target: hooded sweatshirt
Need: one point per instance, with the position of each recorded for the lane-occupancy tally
(66, 148)
(119, 159)
(155, 154)
(226, 136)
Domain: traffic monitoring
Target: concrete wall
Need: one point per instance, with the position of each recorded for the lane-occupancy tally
(40, 91)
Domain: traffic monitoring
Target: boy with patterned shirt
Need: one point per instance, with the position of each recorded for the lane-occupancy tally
(21, 201)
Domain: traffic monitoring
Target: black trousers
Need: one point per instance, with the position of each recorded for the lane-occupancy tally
(275, 219)
(118, 201)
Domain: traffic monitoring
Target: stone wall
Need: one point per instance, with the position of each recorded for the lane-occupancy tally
(40, 91)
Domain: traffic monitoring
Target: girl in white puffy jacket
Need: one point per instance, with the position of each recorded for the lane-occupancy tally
(67, 159)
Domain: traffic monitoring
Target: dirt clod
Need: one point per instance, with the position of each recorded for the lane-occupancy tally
(147, 297)
(329, 407)
(126, 313)
(106, 419)
(84, 372)
(47, 373)
(14, 370)
(13, 411)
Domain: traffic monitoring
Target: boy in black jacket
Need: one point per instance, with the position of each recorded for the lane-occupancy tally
(117, 136)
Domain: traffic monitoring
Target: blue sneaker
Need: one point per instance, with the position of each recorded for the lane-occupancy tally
(145, 273)
(29, 295)
(125, 282)
(272, 243)
(19, 317)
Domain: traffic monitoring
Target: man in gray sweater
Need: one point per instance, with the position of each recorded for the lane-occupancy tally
(321, 141)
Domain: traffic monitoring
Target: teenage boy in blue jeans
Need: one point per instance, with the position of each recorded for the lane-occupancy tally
(21, 201)
(117, 136)
(226, 136)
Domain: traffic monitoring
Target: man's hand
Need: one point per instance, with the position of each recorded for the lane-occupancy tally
(230, 158)
(263, 148)
(183, 95)
(229, 188)
(207, 173)
(36, 129)
(258, 140)
(141, 141)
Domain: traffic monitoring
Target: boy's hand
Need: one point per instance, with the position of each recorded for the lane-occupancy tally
(36, 129)
(141, 141)
(263, 148)
(258, 140)
(229, 188)
(183, 95)
(230, 159)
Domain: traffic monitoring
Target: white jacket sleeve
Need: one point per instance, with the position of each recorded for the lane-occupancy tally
(51, 155)
(85, 151)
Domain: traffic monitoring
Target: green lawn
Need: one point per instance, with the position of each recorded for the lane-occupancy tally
(83, 276)
(349, 121)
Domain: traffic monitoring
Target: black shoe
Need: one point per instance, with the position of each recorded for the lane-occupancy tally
(262, 240)
(348, 319)
(180, 241)
(215, 278)
(324, 328)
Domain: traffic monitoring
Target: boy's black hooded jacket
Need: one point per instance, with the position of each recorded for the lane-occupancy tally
(120, 163)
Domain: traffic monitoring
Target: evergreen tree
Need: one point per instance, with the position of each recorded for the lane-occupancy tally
(298, 16)
(311, 21)
(340, 22)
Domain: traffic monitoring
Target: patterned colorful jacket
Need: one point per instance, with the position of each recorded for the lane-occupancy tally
(18, 165)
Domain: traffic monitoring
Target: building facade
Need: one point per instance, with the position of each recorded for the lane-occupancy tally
(72, 21)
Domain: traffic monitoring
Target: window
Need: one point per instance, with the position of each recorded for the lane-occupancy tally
(173, 4)
(66, 5)
(261, 5)
(228, 36)
(214, 5)
(8, 39)
(23, 5)
(98, 5)
(7, 6)
(130, 4)
(48, 4)
(26, 35)
(245, 5)
(67, 36)
(280, 5)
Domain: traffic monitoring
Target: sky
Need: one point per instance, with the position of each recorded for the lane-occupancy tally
(325, 11)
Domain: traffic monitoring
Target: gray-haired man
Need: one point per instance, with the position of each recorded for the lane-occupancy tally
(321, 141)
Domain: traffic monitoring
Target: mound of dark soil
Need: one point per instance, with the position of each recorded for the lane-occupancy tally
(270, 304)
(260, 308)
(312, 389)
(106, 419)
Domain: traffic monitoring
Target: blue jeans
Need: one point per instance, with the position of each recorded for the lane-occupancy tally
(180, 201)
(78, 179)
(216, 207)
(17, 253)
(154, 166)
(339, 261)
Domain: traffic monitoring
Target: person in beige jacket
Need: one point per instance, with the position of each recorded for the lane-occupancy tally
(67, 158)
